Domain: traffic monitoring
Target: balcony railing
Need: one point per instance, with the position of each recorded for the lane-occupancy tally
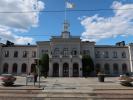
(65, 56)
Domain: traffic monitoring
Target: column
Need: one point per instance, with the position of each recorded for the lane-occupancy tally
(50, 69)
(80, 69)
(111, 68)
(28, 68)
(60, 69)
(70, 69)
(19, 68)
(120, 68)
(10, 68)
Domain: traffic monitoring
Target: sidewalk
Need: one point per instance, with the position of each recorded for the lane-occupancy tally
(67, 89)
(61, 83)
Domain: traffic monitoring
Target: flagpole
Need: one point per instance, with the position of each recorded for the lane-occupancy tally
(65, 10)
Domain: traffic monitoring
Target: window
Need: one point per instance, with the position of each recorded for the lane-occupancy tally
(123, 54)
(106, 54)
(5, 68)
(65, 52)
(56, 51)
(124, 68)
(115, 69)
(86, 52)
(97, 54)
(33, 54)
(6, 53)
(25, 54)
(114, 54)
(107, 68)
(98, 68)
(14, 68)
(24, 68)
(15, 54)
(74, 52)
(44, 51)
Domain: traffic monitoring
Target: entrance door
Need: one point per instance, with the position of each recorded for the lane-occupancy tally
(75, 70)
(65, 70)
(55, 70)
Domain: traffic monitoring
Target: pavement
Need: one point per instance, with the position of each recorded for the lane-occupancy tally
(67, 89)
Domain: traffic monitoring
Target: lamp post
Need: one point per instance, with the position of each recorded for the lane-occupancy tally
(36, 61)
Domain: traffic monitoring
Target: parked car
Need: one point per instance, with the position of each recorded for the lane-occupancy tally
(8, 79)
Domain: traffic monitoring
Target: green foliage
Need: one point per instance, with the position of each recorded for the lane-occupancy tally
(44, 64)
(88, 65)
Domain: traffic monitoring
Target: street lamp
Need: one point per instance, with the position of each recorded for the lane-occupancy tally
(36, 61)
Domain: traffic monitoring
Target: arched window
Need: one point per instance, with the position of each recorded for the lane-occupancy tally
(24, 68)
(65, 70)
(106, 68)
(14, 68)
(124, 68)
(75, 70)
(115, 68)
(5, 68)
(55, 69)
(98, 68)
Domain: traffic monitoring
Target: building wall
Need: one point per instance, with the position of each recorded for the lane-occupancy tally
(72, 44)
(130, 48)
(10, 60)
(117, 58)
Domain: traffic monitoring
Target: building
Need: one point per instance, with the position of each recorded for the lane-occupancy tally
(65, 56)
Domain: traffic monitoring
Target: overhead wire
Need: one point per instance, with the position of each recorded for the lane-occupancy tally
(52, 11)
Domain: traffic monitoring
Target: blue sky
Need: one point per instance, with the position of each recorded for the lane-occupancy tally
(104, 26)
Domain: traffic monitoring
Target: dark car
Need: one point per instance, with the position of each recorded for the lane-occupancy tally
(8, 79)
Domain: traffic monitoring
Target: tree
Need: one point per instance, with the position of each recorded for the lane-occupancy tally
(44, 65)
(88, 65)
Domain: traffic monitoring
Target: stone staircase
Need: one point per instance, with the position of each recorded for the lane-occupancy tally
(38, 94)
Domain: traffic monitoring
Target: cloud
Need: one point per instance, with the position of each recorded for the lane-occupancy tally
(18, 22)
(121, 24)
(6, 34)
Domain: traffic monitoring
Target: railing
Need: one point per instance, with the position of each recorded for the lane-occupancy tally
(65, 56)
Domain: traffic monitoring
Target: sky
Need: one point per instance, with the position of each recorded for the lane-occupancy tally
(103, 21)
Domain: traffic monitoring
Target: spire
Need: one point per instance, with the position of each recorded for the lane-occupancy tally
(65, 26)
(65, 33)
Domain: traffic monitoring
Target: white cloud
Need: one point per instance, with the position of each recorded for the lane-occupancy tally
(20, 22)
(6, 34)
(121, 24)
